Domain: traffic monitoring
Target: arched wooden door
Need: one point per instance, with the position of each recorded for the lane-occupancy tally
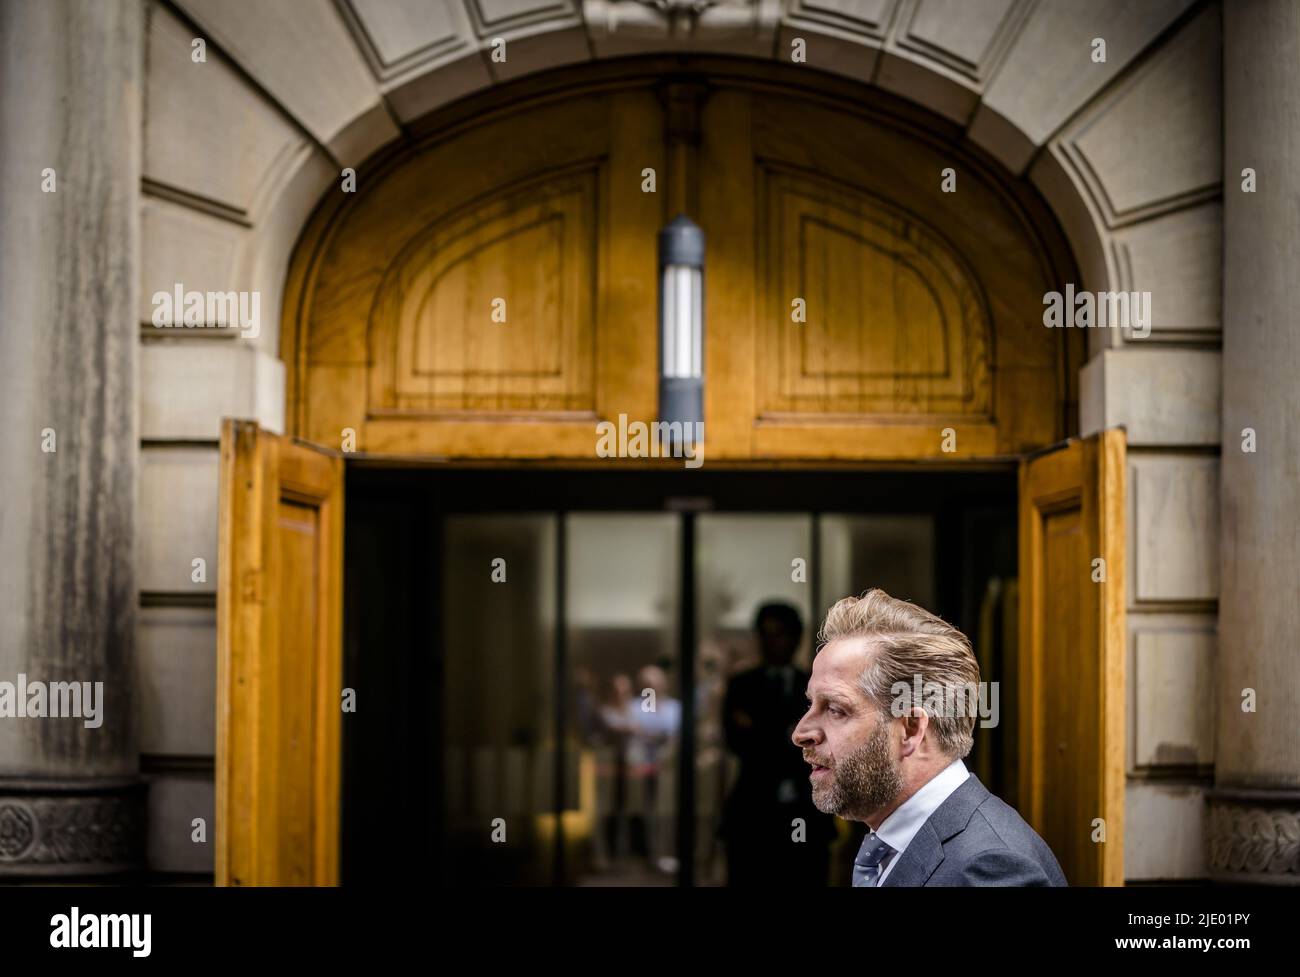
(489, 292)
(873, 290)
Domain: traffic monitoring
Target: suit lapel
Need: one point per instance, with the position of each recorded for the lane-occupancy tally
(919, 859)
(925, 851)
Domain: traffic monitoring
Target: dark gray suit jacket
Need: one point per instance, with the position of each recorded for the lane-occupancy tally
(973, 838)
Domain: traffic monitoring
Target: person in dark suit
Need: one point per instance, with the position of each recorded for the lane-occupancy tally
(881, 755)
(774, 835)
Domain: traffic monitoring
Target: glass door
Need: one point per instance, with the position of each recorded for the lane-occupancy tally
(618, 686)
(499, 722)
(622, 677)
(750, 678)
(567, 628)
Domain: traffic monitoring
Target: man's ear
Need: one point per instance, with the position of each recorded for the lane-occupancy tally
(915, 724)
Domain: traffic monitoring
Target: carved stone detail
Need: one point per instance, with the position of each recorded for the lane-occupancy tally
(1254, 838)
(71, 828)
(681, 19)
(695, 7)
(17, 831)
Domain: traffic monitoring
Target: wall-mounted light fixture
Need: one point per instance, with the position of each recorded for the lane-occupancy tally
(681, 326)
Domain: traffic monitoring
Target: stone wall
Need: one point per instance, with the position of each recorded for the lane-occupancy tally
(237, 149)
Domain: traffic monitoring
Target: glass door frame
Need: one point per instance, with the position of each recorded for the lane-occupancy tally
(434, 492)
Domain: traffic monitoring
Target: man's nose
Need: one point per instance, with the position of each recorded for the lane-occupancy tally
(805, 733)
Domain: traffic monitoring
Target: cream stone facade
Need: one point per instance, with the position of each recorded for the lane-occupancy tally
(172, 171)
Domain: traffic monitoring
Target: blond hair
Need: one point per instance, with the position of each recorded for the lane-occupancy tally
(910, 646)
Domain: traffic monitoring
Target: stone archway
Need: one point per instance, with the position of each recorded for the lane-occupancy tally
(213, 169)
(1125, 152)
(1017, 80)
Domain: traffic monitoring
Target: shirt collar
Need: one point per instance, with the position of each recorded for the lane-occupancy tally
(901, 827)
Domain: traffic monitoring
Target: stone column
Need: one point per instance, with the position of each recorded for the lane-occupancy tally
(1255, 806)
(70, 150)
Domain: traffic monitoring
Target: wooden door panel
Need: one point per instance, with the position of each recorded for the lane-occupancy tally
(895, 323)
(298, 536)
(493, 293)
(1072, 639)
(1067, 686)
(921, 309)
(492, 310)
(279, 677)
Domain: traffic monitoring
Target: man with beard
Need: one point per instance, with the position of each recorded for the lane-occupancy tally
(895, 764)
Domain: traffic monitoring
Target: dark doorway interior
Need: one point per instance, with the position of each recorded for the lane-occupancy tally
(491, 614)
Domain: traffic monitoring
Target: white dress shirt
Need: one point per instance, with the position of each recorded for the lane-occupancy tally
(901, 827)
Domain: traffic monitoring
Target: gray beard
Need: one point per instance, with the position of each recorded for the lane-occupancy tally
(862, 782)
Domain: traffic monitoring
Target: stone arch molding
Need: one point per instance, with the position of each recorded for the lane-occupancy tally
(1126, 152)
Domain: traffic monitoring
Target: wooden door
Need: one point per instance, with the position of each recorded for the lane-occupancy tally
(279, 667)
(1071, 675)
(856, 311)
(491, 290)
(493, 295)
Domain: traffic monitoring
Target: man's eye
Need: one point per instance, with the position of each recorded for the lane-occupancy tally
(835, 711)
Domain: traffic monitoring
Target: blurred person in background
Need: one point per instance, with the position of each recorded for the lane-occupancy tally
(760, 710)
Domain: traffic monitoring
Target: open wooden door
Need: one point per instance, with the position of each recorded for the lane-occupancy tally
(279, 664)
(1072, 641)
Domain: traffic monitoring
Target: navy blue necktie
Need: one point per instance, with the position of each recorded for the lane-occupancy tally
(866, 867)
